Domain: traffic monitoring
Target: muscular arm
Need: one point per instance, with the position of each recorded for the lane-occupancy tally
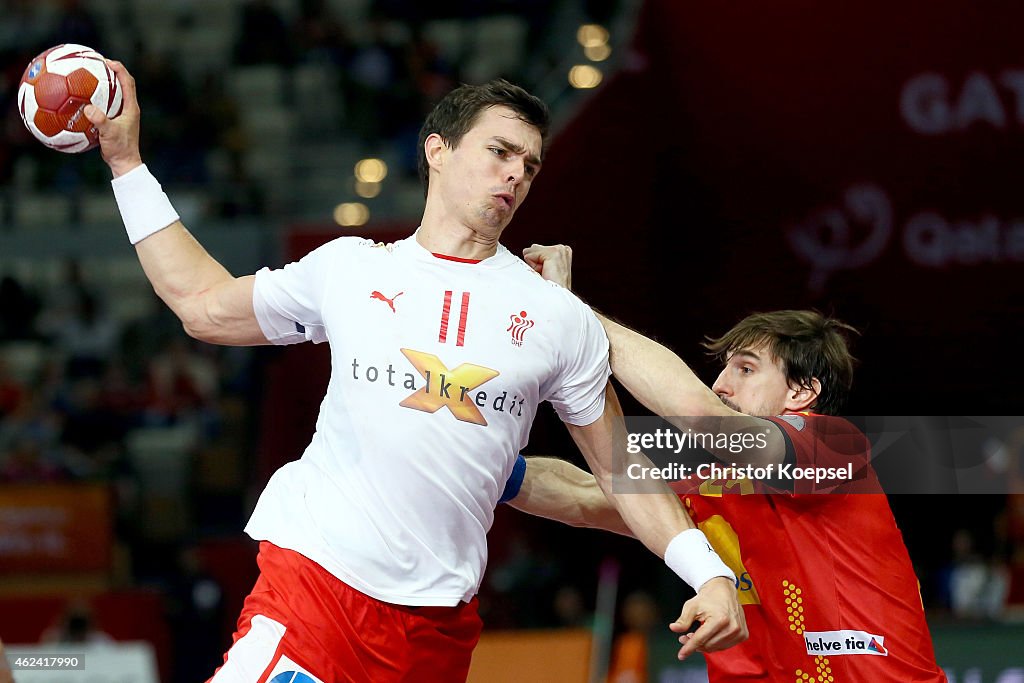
(666, 386)
(660, 380)
(657, 377)
(558, 490)
(656, 517)
(212, 305)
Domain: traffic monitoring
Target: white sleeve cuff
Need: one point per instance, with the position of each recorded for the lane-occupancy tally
(691, 557)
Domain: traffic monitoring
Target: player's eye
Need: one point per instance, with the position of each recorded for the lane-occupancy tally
(746, 370)
(498, 151)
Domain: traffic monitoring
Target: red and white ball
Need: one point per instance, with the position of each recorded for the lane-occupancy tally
(55, 88)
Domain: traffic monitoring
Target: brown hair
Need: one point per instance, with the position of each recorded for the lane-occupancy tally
(455, 114)
(809, 345)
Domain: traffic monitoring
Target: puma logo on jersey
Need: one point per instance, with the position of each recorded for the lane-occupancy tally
(380, 297)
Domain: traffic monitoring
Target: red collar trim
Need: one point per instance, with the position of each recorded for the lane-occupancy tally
(457, 259)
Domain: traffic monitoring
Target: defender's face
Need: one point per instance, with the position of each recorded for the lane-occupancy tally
(753, 382)
(488, 175)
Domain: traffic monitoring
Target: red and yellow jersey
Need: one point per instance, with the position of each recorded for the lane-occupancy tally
(825, 580)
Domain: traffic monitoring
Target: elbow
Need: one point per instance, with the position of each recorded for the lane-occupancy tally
(581, 522)
(191, 312)
(603, 477)
(194, 331)
(598, 512)
(592, 509)
(198, 324)
(207, 333)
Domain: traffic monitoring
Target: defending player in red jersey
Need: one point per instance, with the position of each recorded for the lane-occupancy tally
(823, 575)
(827, 585)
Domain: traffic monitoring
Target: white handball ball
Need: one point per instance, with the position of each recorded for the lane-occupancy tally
(55, 88)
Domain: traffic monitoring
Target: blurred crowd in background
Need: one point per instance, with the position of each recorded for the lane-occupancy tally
(232, 90)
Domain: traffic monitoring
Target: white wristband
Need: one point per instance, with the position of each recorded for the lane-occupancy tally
(144, 207)
(691, 557)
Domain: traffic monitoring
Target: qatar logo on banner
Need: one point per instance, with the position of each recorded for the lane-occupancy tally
(844, 237)
(855, 232)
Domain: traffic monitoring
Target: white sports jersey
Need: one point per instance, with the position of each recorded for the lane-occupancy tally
(438, 368)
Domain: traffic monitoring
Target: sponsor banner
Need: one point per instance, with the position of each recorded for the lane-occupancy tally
(55, 528)
(561, 655)
(845, 642)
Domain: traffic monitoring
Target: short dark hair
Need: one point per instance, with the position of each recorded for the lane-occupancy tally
(455, 114)
(810, 346)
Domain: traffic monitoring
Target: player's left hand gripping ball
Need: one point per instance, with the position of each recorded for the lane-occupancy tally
(55, 88)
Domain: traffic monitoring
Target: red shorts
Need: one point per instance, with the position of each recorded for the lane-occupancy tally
(301, 624)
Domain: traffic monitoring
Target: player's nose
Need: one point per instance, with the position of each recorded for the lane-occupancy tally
(517, 172)
(721, 386)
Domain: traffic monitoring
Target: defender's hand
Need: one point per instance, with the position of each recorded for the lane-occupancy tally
(553, 263)
(721, 619)
(119, 137)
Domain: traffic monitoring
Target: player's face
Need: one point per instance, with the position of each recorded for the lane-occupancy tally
(488, 175)
(753, 382)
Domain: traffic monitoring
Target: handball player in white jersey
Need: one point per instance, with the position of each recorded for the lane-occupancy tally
(443, 346)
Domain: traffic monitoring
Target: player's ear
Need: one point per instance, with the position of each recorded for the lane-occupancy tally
(435, 148)
(803, 397)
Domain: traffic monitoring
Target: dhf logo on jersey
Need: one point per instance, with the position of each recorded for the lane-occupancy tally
(518, 327)
(845, 642)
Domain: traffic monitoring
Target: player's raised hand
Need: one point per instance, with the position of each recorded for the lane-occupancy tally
(721, 619)
(119, 137)
(552, 262)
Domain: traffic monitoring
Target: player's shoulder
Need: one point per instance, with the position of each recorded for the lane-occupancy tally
(804, 420)
(355, 243)
(834, 429)
(347, 247)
